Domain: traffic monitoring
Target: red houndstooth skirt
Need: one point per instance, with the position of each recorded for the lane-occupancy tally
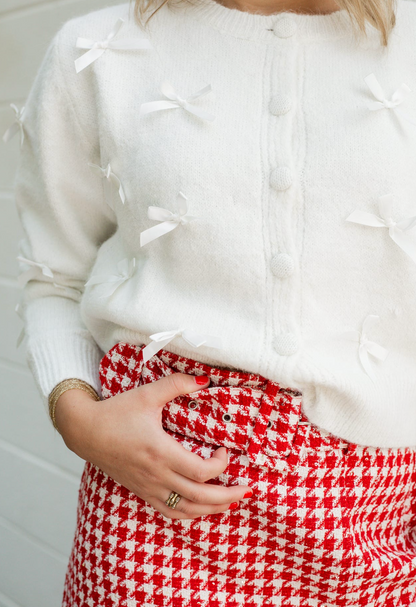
(331, 523)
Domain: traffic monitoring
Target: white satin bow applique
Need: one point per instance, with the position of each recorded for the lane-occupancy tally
(175, 102)
(24, 277)
(398, 230)
(170, 220)
(382, 102)
(19, 312)
(366, 346)
(16, 126)
(68, 290)
(98, 47)
(109, 283)
(107, 173)
(160, 340)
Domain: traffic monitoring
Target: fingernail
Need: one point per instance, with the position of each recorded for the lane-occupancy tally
(249, 493)
(233, 505)
(201, 379)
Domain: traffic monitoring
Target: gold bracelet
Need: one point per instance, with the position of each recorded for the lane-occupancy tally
(63, 386)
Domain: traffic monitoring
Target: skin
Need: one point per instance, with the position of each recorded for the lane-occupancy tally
(123, 435)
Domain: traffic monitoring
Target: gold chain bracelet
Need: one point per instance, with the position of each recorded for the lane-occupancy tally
(63, 386)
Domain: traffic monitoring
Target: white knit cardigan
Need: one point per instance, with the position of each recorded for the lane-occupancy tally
(237, 188)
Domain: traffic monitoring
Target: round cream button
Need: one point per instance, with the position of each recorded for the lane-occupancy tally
(284, 27)
(282, 265)
(281, 178)
(286, 344)
(280, 104)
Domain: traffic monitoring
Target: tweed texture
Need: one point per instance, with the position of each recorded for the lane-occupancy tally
(331, 523)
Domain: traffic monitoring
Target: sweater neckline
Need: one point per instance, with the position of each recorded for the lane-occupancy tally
(252, 26)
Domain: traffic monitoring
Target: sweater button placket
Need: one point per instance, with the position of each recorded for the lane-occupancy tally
(283, 192)
(285, 27)
(280, 104)
(282, 265)
(281, 178)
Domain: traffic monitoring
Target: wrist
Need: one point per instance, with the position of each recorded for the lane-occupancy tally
(75, 411)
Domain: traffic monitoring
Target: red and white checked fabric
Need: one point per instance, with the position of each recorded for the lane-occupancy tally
(331, 523)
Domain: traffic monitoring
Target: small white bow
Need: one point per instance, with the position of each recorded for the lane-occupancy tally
(397, 229)
(109, 283)
(107, 173)
(160, 340)
(384, 103)
(16, 126)
(170, 220)
(24, 277)
(19, 312)
(98, 47)
(175, 101)
(68, 290)
(366, 346)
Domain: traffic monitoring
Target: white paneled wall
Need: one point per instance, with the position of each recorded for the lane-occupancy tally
(39, 476)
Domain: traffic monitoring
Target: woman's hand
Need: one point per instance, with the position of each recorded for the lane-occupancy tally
(124, 437)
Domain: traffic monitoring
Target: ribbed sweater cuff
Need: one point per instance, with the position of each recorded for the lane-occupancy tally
(52, 360)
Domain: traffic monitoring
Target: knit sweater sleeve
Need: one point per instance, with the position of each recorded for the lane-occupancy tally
(64, 216)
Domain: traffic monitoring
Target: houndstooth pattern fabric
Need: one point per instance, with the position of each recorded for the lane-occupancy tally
(330, 524)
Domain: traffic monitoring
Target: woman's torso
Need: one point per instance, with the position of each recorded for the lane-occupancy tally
(270, 264)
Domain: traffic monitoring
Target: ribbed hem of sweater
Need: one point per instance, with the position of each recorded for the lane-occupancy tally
(243, 24)
(51, 362)
(61, 348)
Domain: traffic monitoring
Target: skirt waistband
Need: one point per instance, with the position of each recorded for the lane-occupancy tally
(238, 410)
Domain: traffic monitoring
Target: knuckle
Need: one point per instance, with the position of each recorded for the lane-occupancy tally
(187, 510)
(178, 383)
(195, 496)
(222, 467)
(150, 453)
(147, 475)
(200, 475)
(146, 393)
(184, 508)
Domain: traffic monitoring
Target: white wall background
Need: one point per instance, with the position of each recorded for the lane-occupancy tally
(39, 476)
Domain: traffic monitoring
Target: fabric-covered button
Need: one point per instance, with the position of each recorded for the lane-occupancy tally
(282, 265)
(284, 28)
(281, 178)
(280, 104)
(286, 344)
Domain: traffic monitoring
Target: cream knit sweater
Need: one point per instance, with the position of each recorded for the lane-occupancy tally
(243, 184)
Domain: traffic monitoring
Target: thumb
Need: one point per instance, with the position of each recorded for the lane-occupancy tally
(222, 455)
(167, 388)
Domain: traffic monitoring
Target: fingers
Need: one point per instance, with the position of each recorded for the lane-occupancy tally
(207, 494)
(196, 468)
(163, 390)
(188, 510)
(179, 469)
(193, 472)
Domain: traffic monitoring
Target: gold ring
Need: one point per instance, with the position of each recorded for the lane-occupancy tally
(173, 499)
